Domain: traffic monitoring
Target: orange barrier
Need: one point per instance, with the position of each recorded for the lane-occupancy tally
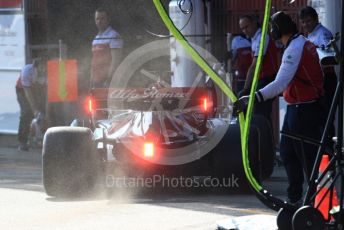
(62, 80)
(322, 200)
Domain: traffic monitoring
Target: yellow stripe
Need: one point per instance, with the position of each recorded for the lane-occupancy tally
(62, 80)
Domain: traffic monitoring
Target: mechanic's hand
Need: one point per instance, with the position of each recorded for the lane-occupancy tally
(240, 105)
(243, 92)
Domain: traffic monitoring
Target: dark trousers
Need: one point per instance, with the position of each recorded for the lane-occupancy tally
(264, 108)
(299, 157)
(26, 116)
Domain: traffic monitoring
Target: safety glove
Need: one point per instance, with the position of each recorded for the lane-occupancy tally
(241, 104)
(243, 92)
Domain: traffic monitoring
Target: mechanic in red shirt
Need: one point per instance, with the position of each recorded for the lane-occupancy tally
(251, 28)
(106, 50)
(300, 79)
(28, 103)
(241, 57)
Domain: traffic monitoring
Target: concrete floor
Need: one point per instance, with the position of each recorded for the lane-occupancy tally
(26, 206)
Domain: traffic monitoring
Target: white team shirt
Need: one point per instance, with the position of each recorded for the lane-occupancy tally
(290, 63)
(28, 75)
(109, 36)
(237, 43)
(256, 43)
(320, 35)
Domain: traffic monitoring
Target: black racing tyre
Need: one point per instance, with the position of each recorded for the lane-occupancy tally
(227, 157)
(70, 164)
(267, 151)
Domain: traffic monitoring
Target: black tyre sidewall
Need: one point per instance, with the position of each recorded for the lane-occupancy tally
(70, 165)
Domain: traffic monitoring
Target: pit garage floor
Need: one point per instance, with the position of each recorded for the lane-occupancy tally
(26, 206)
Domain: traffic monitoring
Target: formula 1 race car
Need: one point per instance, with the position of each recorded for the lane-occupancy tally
(160, 115)
(171, 131)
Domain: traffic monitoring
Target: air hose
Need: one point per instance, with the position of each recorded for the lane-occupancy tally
(263, 195)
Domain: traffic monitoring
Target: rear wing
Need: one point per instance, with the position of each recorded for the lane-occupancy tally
(153, 99)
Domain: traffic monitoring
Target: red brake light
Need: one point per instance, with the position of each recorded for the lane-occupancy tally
(148, 149)
(205, 104)
(89, 105)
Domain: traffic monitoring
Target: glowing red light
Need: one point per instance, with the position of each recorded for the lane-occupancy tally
(205, 104)
(89, 105)
(148, 149)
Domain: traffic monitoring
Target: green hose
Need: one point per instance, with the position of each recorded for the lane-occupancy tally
(244, 124)
(245, 133)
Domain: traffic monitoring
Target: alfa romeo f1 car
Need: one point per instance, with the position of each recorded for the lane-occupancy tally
(171, 131)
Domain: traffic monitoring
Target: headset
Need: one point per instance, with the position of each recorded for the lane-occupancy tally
(281, 23)
(275, 30)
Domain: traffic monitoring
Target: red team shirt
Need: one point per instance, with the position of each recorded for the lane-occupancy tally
(300, 77)
(101, 53)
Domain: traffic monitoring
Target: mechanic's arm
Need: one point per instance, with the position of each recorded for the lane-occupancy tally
(116, 57)
(285, 75)
(290, 62)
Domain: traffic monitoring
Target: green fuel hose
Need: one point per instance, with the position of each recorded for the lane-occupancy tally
(263, 195)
